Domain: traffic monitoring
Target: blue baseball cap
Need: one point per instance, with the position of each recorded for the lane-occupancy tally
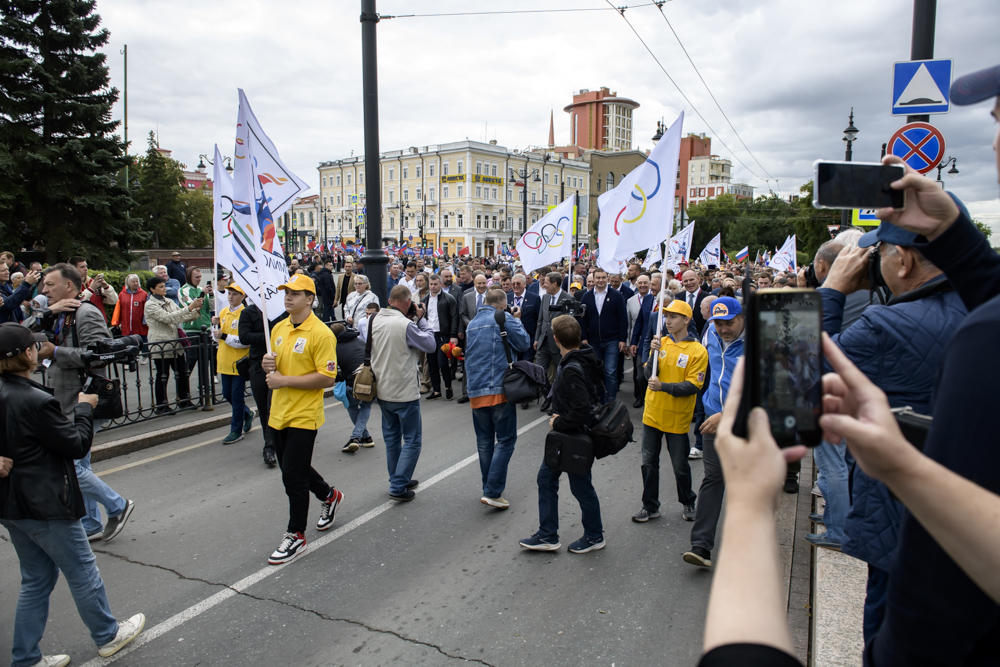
(725, 308)
(890, 233)
(976, 87)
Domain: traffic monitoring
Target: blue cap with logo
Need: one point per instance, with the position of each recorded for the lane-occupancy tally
(976, 87)
(725, 308)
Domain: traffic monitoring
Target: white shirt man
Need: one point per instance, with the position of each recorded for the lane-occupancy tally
(432, 309)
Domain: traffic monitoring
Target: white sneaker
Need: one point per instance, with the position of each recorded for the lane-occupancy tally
(127, 631)
(695, 453)
(52, 661)
(816, 491)
(499, 503)
(291, 546)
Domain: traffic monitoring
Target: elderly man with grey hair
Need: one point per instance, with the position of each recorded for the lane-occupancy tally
(173, 286)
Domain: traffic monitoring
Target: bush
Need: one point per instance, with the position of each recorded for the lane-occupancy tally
(116, 279)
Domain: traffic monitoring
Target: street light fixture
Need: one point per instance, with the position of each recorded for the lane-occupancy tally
(850, 135)
(951, 172)
(402, 205)
(660, 127)
(523, 175)
(202, 159)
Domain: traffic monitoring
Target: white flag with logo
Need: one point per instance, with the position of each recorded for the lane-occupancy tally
(222, 218)
(607, 238)
(548, 240)
(784, 259)
(653, 255)
(679, 247)
(710, 256)
(263, 188)
(642, 207)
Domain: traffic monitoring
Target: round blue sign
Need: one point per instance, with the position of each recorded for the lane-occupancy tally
(920, 145)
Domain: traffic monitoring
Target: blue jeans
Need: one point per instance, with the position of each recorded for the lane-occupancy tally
(496, 434)
(359, 411)
(832, 481)
(607, 352)
(548, 504)
(96, 492)
(234, 390)
(43, 549)
(401, 431)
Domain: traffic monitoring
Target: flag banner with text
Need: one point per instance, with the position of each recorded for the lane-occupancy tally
(679, 247)
(784, 259)
(548, 240)
(712, 254)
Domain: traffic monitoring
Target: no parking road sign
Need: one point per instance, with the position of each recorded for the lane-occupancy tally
(920, 145)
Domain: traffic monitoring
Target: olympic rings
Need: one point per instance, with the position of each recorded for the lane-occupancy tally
(644, 198)
(643, 211)
(528, 245)
(657, 188)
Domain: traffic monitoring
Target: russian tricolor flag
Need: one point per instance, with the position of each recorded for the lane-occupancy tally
(743, 254)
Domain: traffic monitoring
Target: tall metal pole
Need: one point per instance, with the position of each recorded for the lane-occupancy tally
(922, 39)
(374, 259)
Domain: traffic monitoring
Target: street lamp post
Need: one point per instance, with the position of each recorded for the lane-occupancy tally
(202, 159)
(401, 205)
(850, 134)
(523, 175)
(951, 172)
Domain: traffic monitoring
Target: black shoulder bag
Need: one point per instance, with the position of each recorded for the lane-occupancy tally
(108, 390)
(523, 381)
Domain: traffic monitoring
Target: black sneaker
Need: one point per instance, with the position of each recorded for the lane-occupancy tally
(116, 523)
(270, 458)
(586, 545)
(413, 483)
(791, 486)
(404, 497)
(291, 546)
(368, 442)
(448, 393)
(698, 556)
(248, 420)
(352, 446)
(688, 513)
(328, 510)
(644, 515)
(546, 404)
(434, 395)
(464, 399)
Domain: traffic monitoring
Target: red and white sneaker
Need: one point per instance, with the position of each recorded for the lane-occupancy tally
(328, 510)
(291, 546)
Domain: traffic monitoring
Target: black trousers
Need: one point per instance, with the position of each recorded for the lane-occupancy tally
(639, 382)
(163, 366)
(294, 447)
(438, 365)
(261, 396)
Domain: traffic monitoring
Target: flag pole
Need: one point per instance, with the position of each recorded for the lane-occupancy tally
(260, 273)
(659, 310)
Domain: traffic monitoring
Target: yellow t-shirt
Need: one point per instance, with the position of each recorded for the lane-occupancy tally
(682, 361)
(226, 358)
(308, 348)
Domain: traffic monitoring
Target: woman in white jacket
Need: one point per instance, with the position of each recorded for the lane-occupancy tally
(359, 299)
(162, 318)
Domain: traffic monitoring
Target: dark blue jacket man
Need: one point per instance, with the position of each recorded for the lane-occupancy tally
(605, 328)
(898, 346)
(530, 305)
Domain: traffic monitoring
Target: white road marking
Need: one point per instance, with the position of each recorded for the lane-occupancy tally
(196, 610)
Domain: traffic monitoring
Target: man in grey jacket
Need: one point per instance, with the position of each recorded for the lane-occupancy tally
(397, 334)
(78, 324)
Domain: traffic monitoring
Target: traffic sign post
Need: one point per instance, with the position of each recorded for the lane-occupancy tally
(921, 87)
(920, 145)
(864, 217)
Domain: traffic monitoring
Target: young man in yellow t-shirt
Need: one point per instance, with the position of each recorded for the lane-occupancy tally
(302, 363)
(671, 395)
(231, 350)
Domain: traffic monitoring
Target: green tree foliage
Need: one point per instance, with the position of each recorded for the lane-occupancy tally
(60, 163)
(763, 223)
(984, 228)
(173, 215)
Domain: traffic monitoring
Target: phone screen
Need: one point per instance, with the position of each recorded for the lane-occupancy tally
(790, 367)
(857, 185)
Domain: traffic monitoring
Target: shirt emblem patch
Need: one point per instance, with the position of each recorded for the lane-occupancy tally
(701, 377)
(331, 367)
(277, 343)
(300, 345)
(235, 324)
(682, 360)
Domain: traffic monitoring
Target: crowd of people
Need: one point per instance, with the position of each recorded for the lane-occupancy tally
(933, 589)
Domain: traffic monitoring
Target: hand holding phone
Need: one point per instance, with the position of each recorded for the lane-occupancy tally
(857, 185)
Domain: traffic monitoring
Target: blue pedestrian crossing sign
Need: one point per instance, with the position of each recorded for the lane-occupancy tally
(921, 87)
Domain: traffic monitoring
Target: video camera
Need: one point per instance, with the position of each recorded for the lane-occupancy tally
(571, 307)
(105, 351)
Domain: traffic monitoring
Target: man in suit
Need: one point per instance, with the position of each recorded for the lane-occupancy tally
(346, 285)
(529, 304)
(443, 318)
(605, 328)
(636, 304)
(470, 304)
(534, 287)
(547, 353)
(693, 295)
(617, 283)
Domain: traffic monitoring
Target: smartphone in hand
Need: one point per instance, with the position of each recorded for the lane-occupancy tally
(783, 365)
(856, 185)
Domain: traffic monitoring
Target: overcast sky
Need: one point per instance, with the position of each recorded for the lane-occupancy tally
(785, 72)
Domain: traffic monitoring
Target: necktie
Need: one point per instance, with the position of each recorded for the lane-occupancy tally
(479, 302)
(691, 299)
(517, 301)
(552, 303)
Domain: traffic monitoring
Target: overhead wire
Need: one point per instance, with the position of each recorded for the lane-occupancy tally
(518, 11)
(659, 6)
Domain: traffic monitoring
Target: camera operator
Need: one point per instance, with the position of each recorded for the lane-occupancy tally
(75, 324)
(897, 346)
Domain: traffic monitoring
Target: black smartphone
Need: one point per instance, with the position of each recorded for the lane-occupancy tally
(856, 185)
(784, 364)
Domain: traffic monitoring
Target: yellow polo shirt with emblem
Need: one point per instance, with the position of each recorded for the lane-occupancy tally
(681, 361)
(229, 324)
(308, 348)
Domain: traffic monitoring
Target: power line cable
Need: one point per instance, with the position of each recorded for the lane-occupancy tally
(693, 107)
(519, 11)
(659, 5)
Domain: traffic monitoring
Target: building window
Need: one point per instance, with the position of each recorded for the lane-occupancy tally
(494, 193)
(494, 222)
(611, 180)
(598, 184)
(348, 179)
(391, 193)
(324, 201)
(361, 178)
(460, 191)
(418, 170)
(406, 194)
(444, 169)
(533, 196)
(703, 166)
(494, 169)
(392, 222)
(520, 195)
(406, 172)
(338, 200)
(431, 193)
(479, 168)
(430, 221)
(444, 220)
(545, 199)
(444, 192)
(546, 178)
(510, 194)
(430, 168)
(418, 194)
(479, 191)
(324, 181)
(338, 179)
(460, 222)
(702, 180)
(458, 170)
(391, 173)
(479, 221)
(694, 191)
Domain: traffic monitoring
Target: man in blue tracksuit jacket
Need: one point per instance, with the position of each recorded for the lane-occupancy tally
(724, 341)
(604, 327)
(898, 347)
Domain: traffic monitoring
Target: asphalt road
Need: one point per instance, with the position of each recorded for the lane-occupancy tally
(437, 581)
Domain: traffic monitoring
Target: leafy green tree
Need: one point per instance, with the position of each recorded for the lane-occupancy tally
(174, 216)
(60, 162)
(984, 228)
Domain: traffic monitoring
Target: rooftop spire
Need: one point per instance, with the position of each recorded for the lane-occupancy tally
(552, 130)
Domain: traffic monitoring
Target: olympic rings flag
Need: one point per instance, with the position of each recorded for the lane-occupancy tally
(643, 203)
(548, 240)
